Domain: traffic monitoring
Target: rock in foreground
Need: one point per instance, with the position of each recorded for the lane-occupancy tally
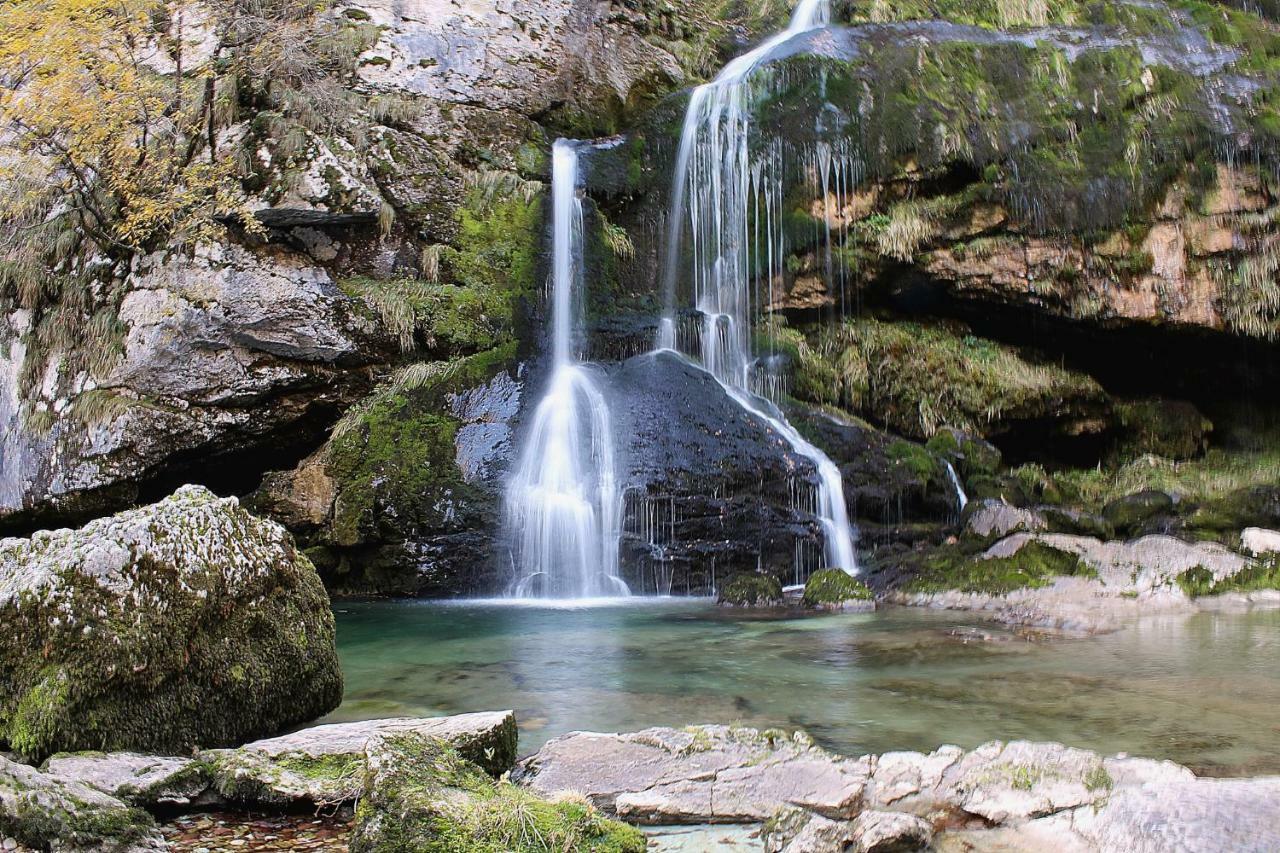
(37, 809)
(185, 623)
(1020, 795)
(420, 794)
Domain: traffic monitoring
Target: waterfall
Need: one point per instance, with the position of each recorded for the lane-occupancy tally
(717, 181)
(962, 499)
(562, 502)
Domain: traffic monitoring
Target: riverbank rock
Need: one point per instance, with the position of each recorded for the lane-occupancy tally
(45, 812)
(148, 781)
(326, 764)
(187, 622)
(420, 794)
(1024, 795)
(700, 774)
(1116, 582)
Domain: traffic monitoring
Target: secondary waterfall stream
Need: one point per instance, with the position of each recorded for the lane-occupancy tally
(563, 503)
(717, 180)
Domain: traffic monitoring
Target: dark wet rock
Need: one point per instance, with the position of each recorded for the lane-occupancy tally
(406, 501)
(187, 622)
(1068, 520)
(1131, 511)
(1172, 429)
(45, 812)
(888, 482)
(972, 455)
(711, 489)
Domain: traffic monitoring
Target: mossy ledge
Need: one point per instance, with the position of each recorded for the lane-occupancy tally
(185, 623)
(1034, 565)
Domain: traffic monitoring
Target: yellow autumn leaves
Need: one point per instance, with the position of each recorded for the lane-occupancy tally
(96, 120)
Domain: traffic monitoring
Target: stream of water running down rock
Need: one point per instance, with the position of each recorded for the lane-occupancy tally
(562, 501)
(716, 179)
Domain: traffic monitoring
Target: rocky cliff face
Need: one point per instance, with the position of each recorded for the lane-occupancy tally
(1003, 220)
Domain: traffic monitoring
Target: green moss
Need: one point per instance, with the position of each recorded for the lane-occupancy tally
(752, 589)
(1098, 779)
(834, 586)
(425, 798)
(1033, 565)
(916, 459)
(164, 681)
(917, 378)
(1258, 575)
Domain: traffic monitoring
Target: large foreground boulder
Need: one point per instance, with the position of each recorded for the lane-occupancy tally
(184, 623)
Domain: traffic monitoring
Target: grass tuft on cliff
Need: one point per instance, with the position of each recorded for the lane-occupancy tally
(917, 378)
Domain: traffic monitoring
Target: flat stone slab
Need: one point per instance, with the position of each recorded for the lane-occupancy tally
(702, 774)
(143, 780)
(325, 764)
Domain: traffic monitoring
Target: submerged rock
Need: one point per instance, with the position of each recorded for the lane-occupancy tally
(187, 622)
(45, 812)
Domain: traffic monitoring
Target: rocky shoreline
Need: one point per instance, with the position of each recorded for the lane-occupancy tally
(421, 784)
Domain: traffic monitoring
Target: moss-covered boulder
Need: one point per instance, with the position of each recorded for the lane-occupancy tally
(1131, 511)
(185, 623)
(836, 589)
(752, 589)
(421, 796)
(44, 812)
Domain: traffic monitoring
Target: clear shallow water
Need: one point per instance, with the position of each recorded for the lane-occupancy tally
(1203, 690)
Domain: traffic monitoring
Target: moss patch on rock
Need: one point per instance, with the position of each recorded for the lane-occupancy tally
(916, 378)
(1034, 565)
(185, 623)
(753, 589)
(420, 796)
(834, 587)
(1259, 575)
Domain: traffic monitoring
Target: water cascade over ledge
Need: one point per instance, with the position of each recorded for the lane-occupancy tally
(563, 504)
(718, 181)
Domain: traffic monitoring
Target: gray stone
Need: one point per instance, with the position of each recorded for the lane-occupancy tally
(45, 812)
(1260, 540)
(890, 832)
(325, 764)
(222, 351)
(697, 775)
(993, 518)
(142, 780)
